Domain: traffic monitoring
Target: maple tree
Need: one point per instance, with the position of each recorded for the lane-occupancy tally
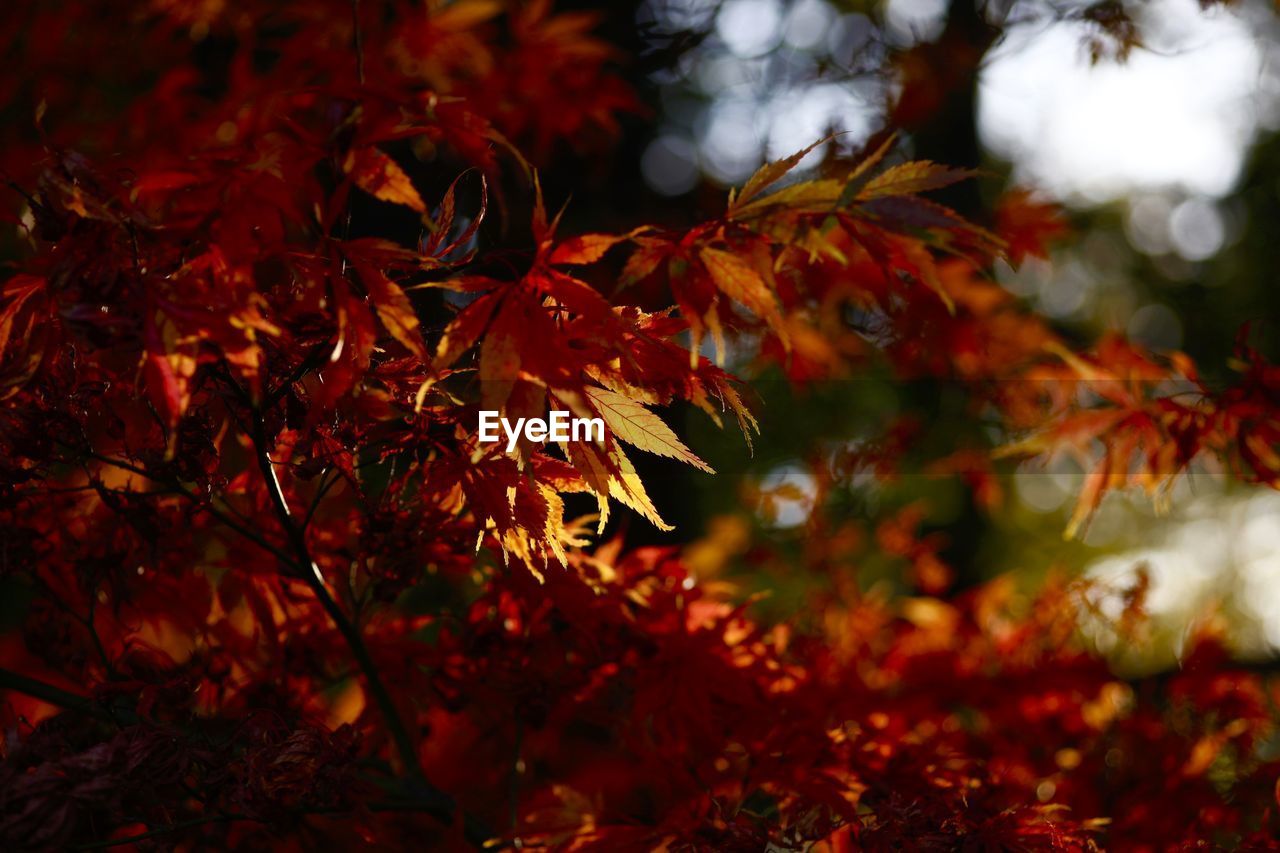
(276, 593)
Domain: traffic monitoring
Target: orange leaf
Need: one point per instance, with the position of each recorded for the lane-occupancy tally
(586, 249)
(739, 281)
(394, 311)
(465, 329)
(500, 358)
(1028, 226)
(381, 177)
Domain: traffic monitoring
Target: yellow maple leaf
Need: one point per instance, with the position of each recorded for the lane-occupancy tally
(631, 422)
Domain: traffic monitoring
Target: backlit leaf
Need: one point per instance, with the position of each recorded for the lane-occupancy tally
(631, 422)
(382, 177)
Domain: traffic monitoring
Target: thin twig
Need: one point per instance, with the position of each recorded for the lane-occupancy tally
(314, 358)
(326, 483)
(358, 39)
(513, 781)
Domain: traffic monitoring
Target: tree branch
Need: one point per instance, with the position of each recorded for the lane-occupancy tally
(45, 692)
(207, 506)
(431, 800)
(434, 801)
(163, 830)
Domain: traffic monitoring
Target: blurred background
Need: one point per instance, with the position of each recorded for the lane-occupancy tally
(1153, 124)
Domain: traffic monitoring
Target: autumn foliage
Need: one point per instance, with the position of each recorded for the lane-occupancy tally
(269, 262)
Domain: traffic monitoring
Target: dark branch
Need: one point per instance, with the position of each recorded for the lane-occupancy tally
(433, 800)
(10, 680)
